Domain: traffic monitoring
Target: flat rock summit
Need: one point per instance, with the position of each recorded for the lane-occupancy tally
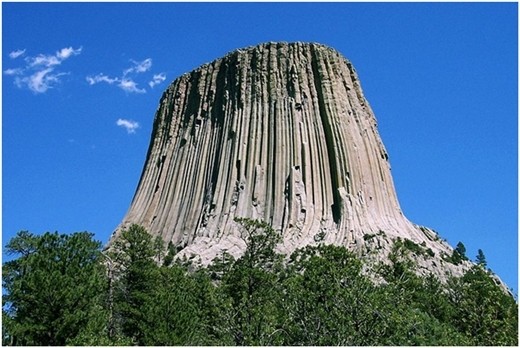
(279, 132)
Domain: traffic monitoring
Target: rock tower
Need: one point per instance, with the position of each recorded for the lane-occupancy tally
(279, 132)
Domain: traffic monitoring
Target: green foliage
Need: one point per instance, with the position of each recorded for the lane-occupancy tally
(170, 253)
(481, 259)
(62, 290)
(172, 314)
(52, 289)
(261, 240)
(458, 255)
(401, 265)
(368, 236)
(412, 246)
(137, 277)
(484, 312)
(461, 249)
(158, 248)
(417, 249)
(252, 288)
(327, 300)
(161, 305)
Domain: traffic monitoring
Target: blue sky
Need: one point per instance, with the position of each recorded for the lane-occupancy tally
(81, 83)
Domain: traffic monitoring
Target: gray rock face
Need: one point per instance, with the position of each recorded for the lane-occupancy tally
(279, 132)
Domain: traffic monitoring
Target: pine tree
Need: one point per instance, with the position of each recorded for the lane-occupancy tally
(461, 250)
(251, 286)
(52, 289)
(484, 312)
(137, 275)
(481, 258)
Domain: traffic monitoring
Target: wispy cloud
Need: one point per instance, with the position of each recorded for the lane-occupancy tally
(15, 71)
(43, 60)
(129, 85)
(92, 80)
(126, 84)
(129, 125)
(157, 78)
(49, 60)
(40, 81)
(16, 54)
(39, 73)
(139, 67)
(127, 81)
(65, 53)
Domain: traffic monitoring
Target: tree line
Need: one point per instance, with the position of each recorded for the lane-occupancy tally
(62, 289)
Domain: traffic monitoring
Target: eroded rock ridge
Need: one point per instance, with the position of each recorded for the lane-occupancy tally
(279, 132)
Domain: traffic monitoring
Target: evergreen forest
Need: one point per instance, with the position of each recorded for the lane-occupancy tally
(63, 289)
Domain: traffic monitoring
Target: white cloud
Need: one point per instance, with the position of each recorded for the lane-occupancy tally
(44, 60)
(157, 78)
(143, 66)
(16, 54)
(129, 125)
(127, 80)
(130, 86)
(40, 81)
(51, 60)
(39, 73)
(16, 71)
(65, 53)
(126, 84)
(92, 80)
(139, 67)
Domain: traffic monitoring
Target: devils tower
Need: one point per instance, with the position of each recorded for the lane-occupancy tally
(279, 132)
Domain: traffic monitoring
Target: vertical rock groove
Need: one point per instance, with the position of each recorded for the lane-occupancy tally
(329, 138)
(279, 132)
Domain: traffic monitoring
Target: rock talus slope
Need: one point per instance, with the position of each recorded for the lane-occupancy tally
(279, 132)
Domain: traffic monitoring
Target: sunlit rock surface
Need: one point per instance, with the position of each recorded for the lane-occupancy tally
(279, 132)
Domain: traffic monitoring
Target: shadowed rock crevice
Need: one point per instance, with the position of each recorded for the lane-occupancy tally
(329, 138)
